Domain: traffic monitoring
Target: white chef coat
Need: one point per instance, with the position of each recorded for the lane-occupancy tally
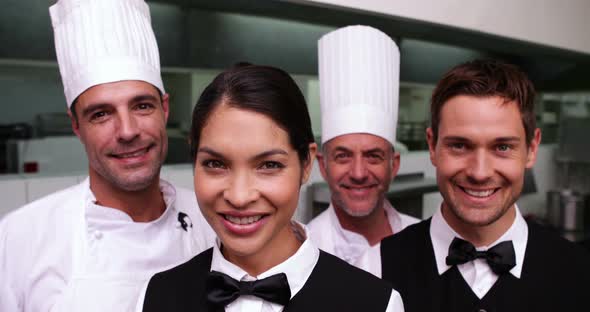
(298, 268)
(328, 235)
(66, 253)
(477, 273)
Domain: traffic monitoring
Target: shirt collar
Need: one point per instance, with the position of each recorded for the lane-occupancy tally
(441, 235)
(352, 238)
(99, 212)
(298, 267)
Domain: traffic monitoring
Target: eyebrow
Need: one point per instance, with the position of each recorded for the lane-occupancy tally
(508, 139)
(370, 151)
(144, 97)
(454, 139)
(210, 152)
(341, 149)
(262, 155)
(374, 150)
(463, 139)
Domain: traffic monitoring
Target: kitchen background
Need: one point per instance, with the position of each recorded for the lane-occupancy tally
(197, 39)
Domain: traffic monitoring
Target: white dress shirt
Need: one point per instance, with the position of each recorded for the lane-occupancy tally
(328, 235)
(477, 273)
(45, 244)
(298, 268)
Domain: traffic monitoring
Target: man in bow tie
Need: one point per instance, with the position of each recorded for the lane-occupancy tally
(477, 253)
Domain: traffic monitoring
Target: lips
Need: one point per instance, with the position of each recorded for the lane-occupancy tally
(243, 225)
(357, 190)
(479, 193)
(132, 154)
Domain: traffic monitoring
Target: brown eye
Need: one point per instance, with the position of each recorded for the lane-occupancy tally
(213, 164)
(97, 116)
(457, 146)
(272, 165)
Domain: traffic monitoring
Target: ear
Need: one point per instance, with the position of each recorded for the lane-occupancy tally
(74, 122)
(166, 105)
(322, 162)
(313, 149)
(533, 148)
(395, 163)
(431, 145)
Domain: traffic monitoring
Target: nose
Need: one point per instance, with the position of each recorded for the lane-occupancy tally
(128, 128)
(480, 168)
(358, 171)
(241, 191)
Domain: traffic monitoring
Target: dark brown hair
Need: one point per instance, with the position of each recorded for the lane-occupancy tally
(486, 78)
(263, 89)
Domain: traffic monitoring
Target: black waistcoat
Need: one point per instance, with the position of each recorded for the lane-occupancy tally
(333, 285)
(555, 276)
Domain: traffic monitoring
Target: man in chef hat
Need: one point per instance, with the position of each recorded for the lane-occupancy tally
(359, 83)
(91, 247)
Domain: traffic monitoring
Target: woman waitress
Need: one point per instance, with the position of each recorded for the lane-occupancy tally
(253, 147)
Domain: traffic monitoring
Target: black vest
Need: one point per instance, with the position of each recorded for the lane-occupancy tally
(333, 285)
(555, 276)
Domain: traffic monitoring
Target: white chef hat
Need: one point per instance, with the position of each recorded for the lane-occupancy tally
(359, 83)
(102, 41)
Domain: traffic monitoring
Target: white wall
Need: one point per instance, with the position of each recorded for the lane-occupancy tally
(561, 24)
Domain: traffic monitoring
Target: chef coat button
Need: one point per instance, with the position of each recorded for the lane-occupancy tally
(97, 234)
(178, 225)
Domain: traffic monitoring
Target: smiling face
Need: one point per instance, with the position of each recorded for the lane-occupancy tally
(480, 158)
(247, 180)
(358, 168)
(123, 128)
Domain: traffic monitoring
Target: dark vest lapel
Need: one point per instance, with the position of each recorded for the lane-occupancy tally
(334, 285)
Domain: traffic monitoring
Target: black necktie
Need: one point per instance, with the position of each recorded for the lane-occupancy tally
(500, 258)
(222, 289)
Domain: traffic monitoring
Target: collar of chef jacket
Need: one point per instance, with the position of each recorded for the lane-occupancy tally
(350, 245)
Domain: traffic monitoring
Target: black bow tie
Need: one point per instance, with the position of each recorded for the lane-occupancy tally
(500, 258)
(222, 289)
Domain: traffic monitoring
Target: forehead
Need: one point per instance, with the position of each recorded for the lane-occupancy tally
(238, 130)
(116, 92)
(358, 142)
(467, 116)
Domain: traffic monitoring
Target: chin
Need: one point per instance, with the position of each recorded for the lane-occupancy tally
(476, 217)
(359, 212)
(239, 248)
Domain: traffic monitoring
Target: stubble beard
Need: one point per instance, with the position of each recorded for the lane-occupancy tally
(340, 204)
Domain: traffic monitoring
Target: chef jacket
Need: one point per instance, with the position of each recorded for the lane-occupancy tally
(65, 252)
(298, 268)
(477, 273)
(328, 235)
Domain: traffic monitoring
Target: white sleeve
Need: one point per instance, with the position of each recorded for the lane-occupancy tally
(395, 302)
(370, 260)
(8, 298)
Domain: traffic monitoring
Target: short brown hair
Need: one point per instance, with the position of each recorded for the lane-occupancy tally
(486, 78)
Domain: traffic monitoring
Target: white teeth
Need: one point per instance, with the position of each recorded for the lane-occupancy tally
(242, 221)
(479, 193)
